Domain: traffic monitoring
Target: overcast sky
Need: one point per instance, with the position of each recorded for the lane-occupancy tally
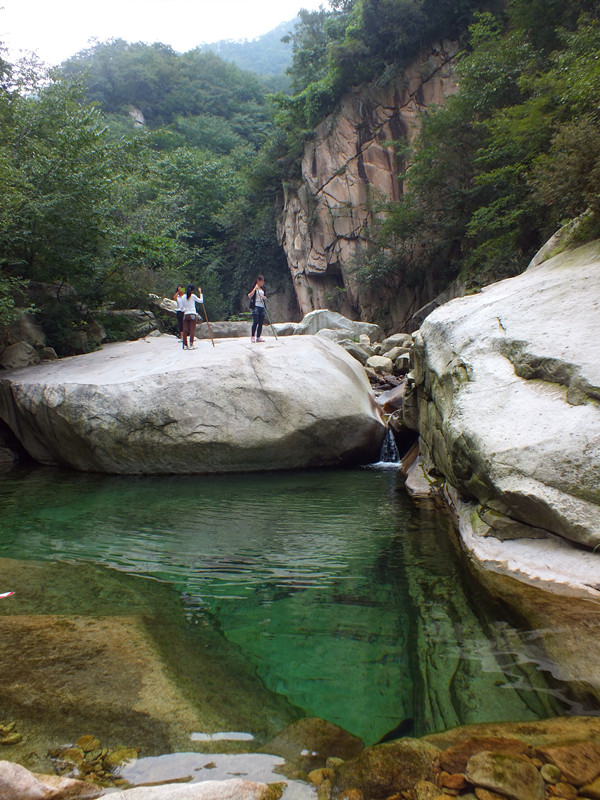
(57, 29)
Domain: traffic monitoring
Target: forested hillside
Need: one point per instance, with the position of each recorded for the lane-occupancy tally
(267, 55)
(118, 209)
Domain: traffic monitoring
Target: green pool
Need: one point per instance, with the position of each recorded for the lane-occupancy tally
(328, 594)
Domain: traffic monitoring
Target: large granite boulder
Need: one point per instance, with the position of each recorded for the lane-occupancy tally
(21, 354)
(508, 384)
(323, 319)
(151, 407)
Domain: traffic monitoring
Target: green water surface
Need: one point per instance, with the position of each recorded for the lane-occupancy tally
(336, 594)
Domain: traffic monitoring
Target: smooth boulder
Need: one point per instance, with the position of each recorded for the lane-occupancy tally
(150, 407)
(508, 389)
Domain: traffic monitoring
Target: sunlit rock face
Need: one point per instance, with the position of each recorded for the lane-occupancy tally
(508, 385)
(349, 167)
(150, 407)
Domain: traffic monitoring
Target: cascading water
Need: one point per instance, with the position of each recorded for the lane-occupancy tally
(389, 454)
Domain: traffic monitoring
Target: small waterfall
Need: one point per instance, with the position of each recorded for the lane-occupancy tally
(389, 450)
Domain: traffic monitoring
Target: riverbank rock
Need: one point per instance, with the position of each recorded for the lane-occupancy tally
(18, 783)
(150, 407)
(508, 384)
(323, 319)
(18, 355)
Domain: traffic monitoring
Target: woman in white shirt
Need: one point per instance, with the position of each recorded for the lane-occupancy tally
(187, 304)
(257, 296)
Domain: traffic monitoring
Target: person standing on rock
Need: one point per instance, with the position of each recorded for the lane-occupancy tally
(187, 303)
(257, 304)
(177, 298)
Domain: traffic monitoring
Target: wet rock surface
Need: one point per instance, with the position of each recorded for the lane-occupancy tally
(386, 769)
(18, 783)
(511, 776)
(555, 758)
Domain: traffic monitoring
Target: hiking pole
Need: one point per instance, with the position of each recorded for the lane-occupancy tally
(208, 323)
(269, 320)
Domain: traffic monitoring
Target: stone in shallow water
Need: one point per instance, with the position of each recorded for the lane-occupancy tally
(579, 762)
(514, 777)
(426, 790)
(72, 670)
(235, 789)
(386, 769)
(591, 790)
(455, 758)
(308, 743)
(550, 773)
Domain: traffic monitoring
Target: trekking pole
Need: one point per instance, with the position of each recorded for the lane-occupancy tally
(269, 320)
(208, 323)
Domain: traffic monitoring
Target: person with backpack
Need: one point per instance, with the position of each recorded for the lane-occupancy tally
(257, 304)
(187, 303)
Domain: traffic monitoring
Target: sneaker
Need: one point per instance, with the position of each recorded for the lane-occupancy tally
(260, 339)
(253, 338)
(192, 347)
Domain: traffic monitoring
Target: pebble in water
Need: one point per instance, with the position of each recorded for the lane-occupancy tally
(89, 761)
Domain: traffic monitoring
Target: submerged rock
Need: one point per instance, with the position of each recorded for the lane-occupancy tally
(579, 762)
(511, 776)
(309, 743)
(105, 673)
(386, 769)
(150, 407)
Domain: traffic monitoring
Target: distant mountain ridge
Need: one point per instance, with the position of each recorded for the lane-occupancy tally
(265, 55)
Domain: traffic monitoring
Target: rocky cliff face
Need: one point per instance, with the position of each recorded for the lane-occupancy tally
(348, 167)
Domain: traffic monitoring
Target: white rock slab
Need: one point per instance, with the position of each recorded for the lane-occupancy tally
(510, 393)
(150, 407)
(234, 789)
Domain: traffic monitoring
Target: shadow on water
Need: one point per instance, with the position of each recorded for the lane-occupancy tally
(313, 593)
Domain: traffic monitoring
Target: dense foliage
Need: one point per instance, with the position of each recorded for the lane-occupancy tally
(510, 158)
(117, 209)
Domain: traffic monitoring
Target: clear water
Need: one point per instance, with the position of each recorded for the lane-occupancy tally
(326, 594)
